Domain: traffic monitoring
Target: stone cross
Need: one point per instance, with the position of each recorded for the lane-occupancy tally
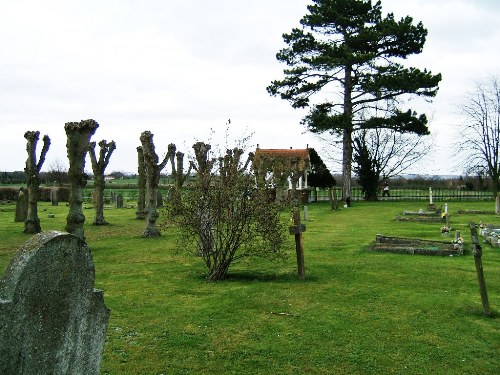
(52, 320)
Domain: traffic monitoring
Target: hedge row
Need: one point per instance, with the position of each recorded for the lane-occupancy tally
(11, 194)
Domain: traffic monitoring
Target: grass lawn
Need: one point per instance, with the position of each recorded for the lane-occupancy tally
(357, 312)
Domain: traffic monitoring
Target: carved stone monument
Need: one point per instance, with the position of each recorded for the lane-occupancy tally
(52, 320)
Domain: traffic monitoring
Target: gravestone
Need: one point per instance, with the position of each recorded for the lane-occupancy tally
(54, 199)
(497, 206)
(52, 320)
(22, 206)
(112, 196)
(119, 201)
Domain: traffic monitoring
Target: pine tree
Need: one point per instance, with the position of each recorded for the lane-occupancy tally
(346, 47)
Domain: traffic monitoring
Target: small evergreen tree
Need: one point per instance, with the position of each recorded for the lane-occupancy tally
(320, 176)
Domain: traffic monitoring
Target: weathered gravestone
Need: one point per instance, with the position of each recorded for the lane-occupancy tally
(54, 199)
(112, 196)
(52, 320)
(22, 206)
(119, 201)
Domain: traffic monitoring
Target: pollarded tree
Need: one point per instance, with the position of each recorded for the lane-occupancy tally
(78, 139)
(347, 47)
(98, 167)
(480, 131)
(153, 169)
(177, 164)
(32, 170)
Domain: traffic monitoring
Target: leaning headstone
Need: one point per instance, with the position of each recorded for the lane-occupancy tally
(159, 199)
(52, 320)
(53, 197)
(22, 206)
(119, 201)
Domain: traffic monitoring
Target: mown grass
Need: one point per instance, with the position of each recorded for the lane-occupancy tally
(357, 312)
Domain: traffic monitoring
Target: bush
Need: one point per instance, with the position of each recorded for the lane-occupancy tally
(62, 193)
(224, 218)
(9, 193)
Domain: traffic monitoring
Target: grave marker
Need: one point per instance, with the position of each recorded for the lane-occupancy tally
(53, 197)
(22, 206)
(119, 201)
(52, 320)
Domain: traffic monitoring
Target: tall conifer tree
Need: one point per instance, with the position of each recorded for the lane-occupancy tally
(343, 65)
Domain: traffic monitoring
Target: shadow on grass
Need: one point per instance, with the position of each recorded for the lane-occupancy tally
(251, 276)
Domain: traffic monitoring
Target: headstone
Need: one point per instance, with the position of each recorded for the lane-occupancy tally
(119, 201)
(53, 197)
(112, 196)
(52, 320)
(497, 207)
(159, 199)
(22, 206)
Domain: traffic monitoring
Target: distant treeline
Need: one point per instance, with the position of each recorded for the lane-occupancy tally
(47, 178)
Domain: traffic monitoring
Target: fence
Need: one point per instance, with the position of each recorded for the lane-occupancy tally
(438, 195)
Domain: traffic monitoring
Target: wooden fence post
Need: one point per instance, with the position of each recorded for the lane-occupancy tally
(478, 252)
(297, 228)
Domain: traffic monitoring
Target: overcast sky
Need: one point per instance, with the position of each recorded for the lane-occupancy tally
(182, 68)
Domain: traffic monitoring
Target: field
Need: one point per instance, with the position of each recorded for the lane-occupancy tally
(357, 311)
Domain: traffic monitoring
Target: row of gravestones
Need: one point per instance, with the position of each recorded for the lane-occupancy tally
(21, 212)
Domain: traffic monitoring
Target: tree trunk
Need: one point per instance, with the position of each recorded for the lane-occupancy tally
(32, 223)
(346, 164)
(98, 167)
(78, 134)
(347, 136)
(153, 170)
(151, 212)
(140, 214)
(99, 184)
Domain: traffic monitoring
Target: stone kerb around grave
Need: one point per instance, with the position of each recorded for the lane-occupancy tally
(52, 320)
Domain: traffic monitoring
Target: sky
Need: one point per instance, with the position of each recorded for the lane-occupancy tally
(183, 68)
